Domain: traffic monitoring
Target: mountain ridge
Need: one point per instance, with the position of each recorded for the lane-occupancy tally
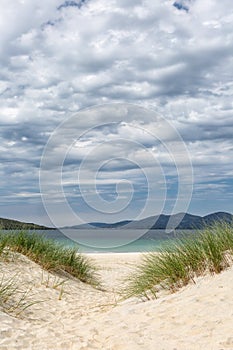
(163, 221)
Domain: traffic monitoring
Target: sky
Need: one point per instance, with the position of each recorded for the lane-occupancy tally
(115, 109)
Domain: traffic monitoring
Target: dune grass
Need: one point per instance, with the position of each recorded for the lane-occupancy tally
(13, 300)
(7, 289)
(50, 255)
(210, 251)
(3, 241)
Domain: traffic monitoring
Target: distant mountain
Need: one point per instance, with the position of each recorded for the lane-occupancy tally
(96, 225)
(180, 221)
(209, 219)
(162, 222)
(8, 224)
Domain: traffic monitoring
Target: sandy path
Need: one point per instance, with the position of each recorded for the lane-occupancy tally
(114, 268)
(197, 317)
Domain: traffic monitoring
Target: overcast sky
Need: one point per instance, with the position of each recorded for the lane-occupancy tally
(172, 59)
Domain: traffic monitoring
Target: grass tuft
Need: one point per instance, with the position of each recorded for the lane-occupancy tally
(12, 300)
(52, 256)
(210, 251)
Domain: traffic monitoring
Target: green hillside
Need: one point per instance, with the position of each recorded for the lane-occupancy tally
(8, 224)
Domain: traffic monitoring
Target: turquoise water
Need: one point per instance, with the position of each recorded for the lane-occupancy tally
(114, 240)
(118, 241)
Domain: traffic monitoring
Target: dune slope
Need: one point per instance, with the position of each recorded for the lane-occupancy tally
(199, 316)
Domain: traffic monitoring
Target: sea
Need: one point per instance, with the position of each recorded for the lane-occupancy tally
(115, 240)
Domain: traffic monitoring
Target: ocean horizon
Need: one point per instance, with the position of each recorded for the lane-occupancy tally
(108, 241)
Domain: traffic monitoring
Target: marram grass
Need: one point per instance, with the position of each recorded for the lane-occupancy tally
(12, 300)
(50, 255)
(210, 251)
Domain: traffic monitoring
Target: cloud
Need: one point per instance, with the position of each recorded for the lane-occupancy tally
(59, 57)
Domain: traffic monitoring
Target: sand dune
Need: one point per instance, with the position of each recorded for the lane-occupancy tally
(198, 316)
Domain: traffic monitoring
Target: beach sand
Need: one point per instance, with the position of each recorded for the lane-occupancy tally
(199, 316)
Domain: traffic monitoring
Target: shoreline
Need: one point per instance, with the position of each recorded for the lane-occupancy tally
(114, 253)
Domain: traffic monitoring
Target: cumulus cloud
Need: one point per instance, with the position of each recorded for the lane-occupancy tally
(58, 57)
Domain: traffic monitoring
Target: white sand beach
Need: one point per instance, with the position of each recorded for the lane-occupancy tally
(199, 316)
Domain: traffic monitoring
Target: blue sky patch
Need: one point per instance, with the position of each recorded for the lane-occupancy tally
(71, 4)
(180, 6)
